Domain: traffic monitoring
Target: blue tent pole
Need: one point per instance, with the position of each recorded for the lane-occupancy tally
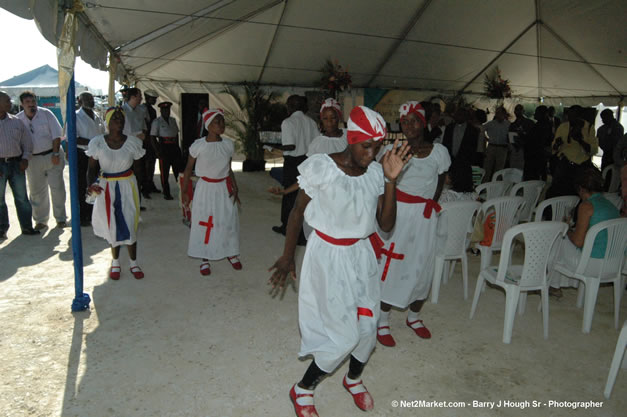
(81, 300)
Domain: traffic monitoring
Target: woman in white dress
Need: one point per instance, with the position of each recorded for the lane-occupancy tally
(407, 267)
(214, 230)
(342, 196)
(116, 206)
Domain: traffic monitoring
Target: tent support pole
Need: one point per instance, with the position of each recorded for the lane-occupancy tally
(276, 30)
(500, 54)
(81, 300)
(400, 40)
(538, 49)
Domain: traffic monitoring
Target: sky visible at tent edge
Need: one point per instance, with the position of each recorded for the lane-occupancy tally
(27, 49)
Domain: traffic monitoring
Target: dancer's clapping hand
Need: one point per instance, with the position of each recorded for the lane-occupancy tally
(394, 160)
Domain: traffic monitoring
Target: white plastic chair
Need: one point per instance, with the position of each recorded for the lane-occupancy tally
(560, 207)
(477, 175)
(506, 210)
(516, 280)
(606, 269)
(531, 191)
(615, 180)
(614, 199)
(493, 189)
(459, 223)
(616, 361)
(514, 175)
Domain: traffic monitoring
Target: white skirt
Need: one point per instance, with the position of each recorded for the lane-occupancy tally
(335, 281)
(215, 223)
(104, 219)
(415, 238)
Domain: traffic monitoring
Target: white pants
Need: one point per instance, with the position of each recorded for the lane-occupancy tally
(41, 174)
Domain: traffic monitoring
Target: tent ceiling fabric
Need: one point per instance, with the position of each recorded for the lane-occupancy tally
(565, 48)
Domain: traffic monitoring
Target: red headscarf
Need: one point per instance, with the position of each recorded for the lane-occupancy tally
(364, 124)
(209, 114)
(333, 104)
(413, 107)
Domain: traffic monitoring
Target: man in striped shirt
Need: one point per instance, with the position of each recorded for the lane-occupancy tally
(16, 148)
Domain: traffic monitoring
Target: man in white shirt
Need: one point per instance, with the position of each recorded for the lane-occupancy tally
(150, 144)
(45, 168)
(135, 125)
(88, 126)
(496, 131)
(297, 132)
(166, 129)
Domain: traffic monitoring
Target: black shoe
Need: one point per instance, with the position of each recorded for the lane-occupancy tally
(85, 223)
(168, 197)
(146, 195)
(30, 232)
(141, 208)
(279, 229)
(155, 190)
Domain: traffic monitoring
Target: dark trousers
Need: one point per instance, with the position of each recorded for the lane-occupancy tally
(290, 172)
(170, 157)
(10, 172)
(85, 209)
(149, 160)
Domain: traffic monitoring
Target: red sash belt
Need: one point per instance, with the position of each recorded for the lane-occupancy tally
(169, 140)
(375, 241)
(229, 182)
(430, 205)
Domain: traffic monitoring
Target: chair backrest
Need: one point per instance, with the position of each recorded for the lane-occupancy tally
(560, 207)
(506, 213)
(477, 175)
(614, 199)
(612, 262)
(458, 216)
(615, 179)
(508, 174)
(493, 189)
(531, 191)
(539, 238)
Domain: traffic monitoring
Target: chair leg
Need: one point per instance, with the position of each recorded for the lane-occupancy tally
(452, 269)
(447, 267)
(437, 278)
(475, 300)
(522, 303)
(465, 275)
(616, 361)
(618, 292)
(592, 289)
(544, 293)
(581, 291)
(512, 295)
(486, 260)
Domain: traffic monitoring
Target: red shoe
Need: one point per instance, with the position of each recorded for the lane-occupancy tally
(421, 331)
(360, 394)
(385, 339)
(114, 273)
(204, 269)
(235, 263)
(137, 272)
(306, 410)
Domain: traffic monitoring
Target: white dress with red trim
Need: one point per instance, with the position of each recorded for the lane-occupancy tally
(406, 267)
(215, 221)
(338, 295)
(116, 209)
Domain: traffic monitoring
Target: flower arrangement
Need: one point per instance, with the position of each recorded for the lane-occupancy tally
(495, 86)
(334, 78)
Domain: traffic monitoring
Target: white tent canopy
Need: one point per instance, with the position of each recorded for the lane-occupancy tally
(562, 50)
(43, 81)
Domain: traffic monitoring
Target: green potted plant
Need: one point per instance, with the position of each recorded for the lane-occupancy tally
(258, 111)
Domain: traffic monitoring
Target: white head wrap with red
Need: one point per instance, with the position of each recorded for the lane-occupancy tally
(364, 124)
(333, 104)
(413, 107)
(209, 114)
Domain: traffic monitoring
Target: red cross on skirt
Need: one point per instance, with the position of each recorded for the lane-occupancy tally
(390, 255)
(209, 225)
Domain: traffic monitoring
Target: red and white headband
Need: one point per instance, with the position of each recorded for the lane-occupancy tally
(415, 108)
(364, 124)
(333, 104)
(209, 114)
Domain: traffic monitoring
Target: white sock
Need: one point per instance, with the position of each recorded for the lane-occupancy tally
(412, 317)
(384, 318)
(133, 263)
(353, 381)
(303, 400)
(115, 262)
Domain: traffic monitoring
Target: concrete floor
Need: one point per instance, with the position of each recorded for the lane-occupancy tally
(178, 344)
